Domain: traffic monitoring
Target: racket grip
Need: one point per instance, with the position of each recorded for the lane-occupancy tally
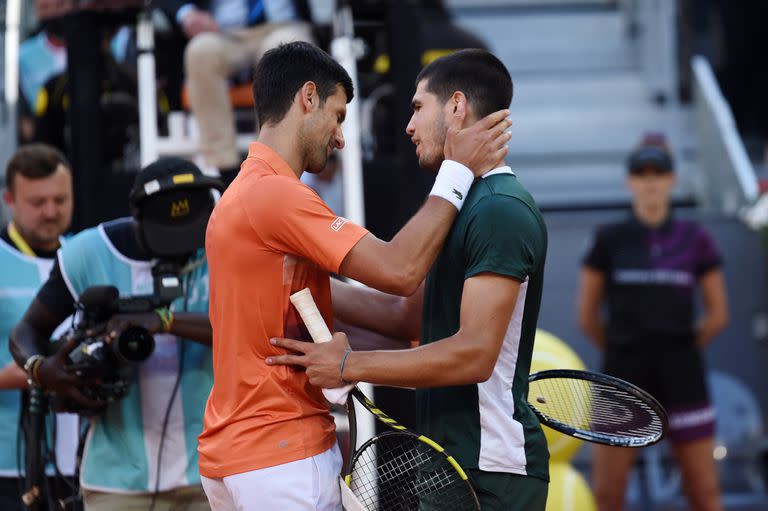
(319, 331)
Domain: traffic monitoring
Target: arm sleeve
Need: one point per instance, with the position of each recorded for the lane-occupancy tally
(709, 257)
(504, 237)
(291, 218)
(55, 294)
(597, 254)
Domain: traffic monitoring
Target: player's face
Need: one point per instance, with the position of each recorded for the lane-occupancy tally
(42, 208)
(427, 127)
(651, 187)
(322, 133)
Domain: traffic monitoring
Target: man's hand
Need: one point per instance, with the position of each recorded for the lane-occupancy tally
(481, 146)
(197, 21)
(322, 361)
(56, 374)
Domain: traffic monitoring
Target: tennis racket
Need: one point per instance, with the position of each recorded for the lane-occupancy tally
(596, 407)
(397, 470)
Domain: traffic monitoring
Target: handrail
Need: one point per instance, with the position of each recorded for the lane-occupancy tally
(723, 157)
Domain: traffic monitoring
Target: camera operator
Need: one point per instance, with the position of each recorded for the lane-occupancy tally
(141, 450)
(38, 192)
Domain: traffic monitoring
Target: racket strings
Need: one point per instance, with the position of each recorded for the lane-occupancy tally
(595, 407)
(398, 472)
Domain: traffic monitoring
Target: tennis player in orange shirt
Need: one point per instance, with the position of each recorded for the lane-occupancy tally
(268, 439)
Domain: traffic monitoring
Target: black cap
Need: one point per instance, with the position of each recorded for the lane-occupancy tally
(168, 174)
(173, 201)
(653, 152)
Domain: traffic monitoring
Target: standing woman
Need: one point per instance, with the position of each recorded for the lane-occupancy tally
(645, 272)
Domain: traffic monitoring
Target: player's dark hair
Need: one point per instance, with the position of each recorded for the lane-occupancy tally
(481, 76)
(34, 161)
(282, 71)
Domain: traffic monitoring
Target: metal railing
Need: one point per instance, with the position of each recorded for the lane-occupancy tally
(729, 180)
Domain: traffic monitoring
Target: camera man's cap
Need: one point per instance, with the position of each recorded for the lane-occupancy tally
(173, 202)
(652, 152)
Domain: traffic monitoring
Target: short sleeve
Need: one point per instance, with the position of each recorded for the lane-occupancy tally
(597, 253)
(290, 217)
(708, 255)
(504, 236)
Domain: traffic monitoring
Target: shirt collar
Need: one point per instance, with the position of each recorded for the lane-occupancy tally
(269, 156)
(498, 170)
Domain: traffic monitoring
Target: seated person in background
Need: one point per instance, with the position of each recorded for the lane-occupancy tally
(226, 35)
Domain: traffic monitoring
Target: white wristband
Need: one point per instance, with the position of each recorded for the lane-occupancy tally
(453, 182)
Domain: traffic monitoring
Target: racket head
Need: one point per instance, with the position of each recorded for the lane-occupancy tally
(401, 471)
(596, 407)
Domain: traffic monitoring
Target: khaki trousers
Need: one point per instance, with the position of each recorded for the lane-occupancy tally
(191, 498)
(210, 59)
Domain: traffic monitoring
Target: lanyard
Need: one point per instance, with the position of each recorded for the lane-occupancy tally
(17, 240)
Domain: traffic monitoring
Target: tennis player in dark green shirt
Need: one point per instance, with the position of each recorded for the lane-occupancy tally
(479, 307)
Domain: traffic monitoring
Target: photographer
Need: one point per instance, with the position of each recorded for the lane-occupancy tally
(141, 450)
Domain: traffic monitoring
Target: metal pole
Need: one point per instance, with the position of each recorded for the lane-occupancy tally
(346, 50)
(145, 43)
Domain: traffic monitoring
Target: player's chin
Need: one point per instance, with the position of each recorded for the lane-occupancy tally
(428, 163)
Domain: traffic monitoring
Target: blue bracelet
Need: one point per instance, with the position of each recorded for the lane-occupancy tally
(341, 367)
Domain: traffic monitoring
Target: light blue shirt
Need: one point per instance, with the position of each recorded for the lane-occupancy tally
(39, 60)
(20, 278)
(233, 14)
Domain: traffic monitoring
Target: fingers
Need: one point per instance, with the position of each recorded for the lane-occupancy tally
(69, 345)
(75, 395)
(291, 344)
(293, 360)
(491, 120)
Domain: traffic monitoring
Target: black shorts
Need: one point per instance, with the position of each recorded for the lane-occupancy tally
(676, 376)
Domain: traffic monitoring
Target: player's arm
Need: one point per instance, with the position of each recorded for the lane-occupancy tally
(389, 315)
(195, 326)
(400, 265)
(12, 377)
(715, 304)
(32, 337)
(590, 297)
(466, 357)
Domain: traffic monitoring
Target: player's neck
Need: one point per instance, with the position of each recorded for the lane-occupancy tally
(283, 140)
(651, 215)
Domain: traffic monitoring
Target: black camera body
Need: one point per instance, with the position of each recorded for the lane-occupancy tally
(106, 369)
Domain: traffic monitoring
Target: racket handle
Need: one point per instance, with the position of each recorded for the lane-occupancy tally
(311, 316)
(315, 323)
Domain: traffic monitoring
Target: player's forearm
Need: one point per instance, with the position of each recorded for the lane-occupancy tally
(193, 326)
(594, 329)
(451, 361)
(412, 251)
(13, 377)
(708, 328)
(386, 314)
(24, 342)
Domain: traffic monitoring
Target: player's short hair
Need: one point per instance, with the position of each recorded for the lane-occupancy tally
(480, 75)
(34, 161)
(282, 71)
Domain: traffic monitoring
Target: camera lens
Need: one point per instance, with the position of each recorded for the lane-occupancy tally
(134, 345)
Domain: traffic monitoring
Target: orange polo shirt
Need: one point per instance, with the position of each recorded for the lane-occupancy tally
(268, 237)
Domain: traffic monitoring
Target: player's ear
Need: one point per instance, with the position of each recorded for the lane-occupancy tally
(458, 109)
(309, 97)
